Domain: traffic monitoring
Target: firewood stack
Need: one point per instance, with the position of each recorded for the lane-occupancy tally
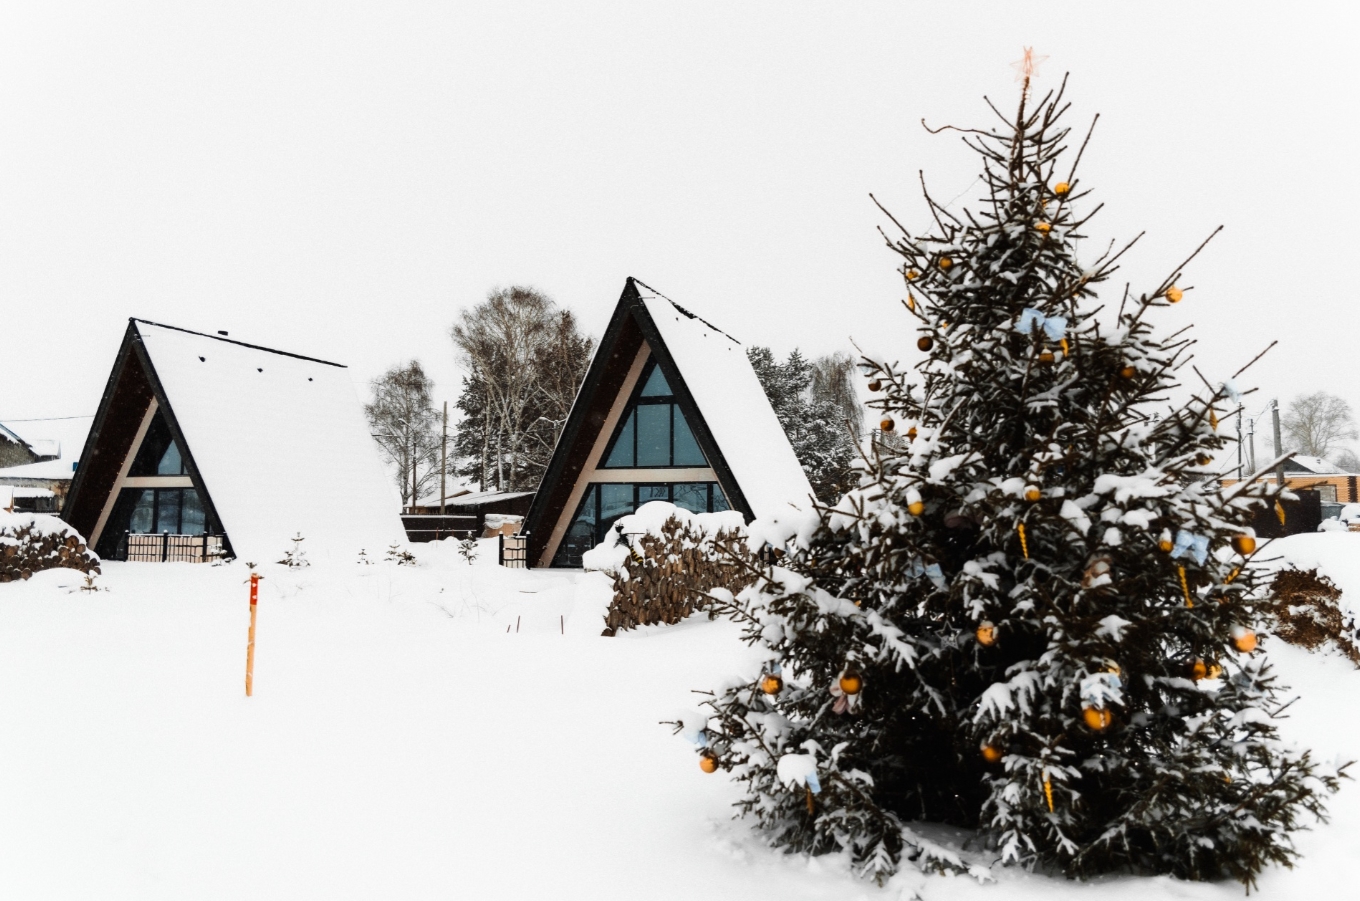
(30, 544)
(668, 577)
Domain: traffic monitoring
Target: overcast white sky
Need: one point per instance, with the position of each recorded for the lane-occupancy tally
(339, 179)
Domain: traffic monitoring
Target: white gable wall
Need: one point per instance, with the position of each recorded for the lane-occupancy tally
(272, 436)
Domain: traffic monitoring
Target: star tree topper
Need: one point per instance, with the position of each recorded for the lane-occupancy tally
(1027, 66)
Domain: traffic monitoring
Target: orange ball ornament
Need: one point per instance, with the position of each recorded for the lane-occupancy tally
(925, 343)
(708, 764)
(1061, 188)
(1097, 719)
(1046, 356)
(992, 754)
(1174, 294)
(911, 433)
(1199, 670)
(946, 262)
(1128, 372)
(912, 274)
(1244, 544)
(771, 684)
(986, 633)
(1244, 640)
(1032, 494)
(887, 424)
(851, 683)
(875, 385)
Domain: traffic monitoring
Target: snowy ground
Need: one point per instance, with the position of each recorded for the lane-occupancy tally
(402, 744)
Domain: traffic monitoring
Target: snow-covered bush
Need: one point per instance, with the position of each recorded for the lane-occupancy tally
(30, 543)
(664, 561)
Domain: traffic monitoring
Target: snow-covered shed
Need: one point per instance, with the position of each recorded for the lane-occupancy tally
(670, 410)
(204, 444)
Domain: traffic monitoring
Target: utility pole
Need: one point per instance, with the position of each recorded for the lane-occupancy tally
(1279, 445)
(443, 460)
(1251, 444)
(1239, 443)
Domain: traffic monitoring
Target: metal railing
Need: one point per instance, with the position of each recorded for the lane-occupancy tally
(513, 551)
(168, 548)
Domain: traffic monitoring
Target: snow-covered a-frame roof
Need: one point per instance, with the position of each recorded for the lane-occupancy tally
(266, 435)
(736, 453)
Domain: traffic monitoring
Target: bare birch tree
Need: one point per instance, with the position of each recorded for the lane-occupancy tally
(1316, 424)
(523, 359)
(405, 425)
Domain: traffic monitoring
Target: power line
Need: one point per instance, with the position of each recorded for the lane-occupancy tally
(47, 418)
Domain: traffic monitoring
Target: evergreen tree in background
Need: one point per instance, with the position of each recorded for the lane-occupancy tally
(1034, 617)
(817, 406)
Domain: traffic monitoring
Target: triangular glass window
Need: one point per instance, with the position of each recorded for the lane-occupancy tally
(160, 454)
(654, 433)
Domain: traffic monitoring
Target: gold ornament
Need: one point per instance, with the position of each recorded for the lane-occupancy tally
(887, 424)
(1045, 356)
(1164, 543)
(911, 303)
(1199, 670)
(925, 343)
(1174, 294)
(912, 274)
(1048, 791)
(1244, 640)
(915, 506)
(1097, 719)
(1063, 343)
(1215, 671)
(1203, 459)
(1128, 372)
(708, 763)
(771, 684)
(946, 262)
(1232, 575)
(986, 633)
(1032, 493)
(1244, 544)
(1043, 227)
(1279, 512)
(1061, 188)
(1213, 420)
(1024, 545)
(992, 754)
(851, 683)
(911, 433)
(875, 385)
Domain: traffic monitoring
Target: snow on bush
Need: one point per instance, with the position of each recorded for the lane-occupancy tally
(31, 542)
(664, 561)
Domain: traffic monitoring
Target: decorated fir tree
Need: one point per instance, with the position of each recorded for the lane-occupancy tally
(1034, 617)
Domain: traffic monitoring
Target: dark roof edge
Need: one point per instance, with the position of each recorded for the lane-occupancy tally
(685, 311)
(282, 353)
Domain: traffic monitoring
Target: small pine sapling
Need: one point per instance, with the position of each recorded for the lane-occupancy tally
(395, 554)
(1035, 616)
(467, 549)
(295, 557)
(364, 559)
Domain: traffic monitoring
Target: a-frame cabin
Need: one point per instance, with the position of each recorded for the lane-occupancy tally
(204, 447)
(670, 410)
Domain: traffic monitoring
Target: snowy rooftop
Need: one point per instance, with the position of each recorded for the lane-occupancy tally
(719, 375)
(272, 434)
(1315, 465)
(63, 439)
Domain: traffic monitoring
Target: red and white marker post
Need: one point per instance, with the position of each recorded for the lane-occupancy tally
(250, 641)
